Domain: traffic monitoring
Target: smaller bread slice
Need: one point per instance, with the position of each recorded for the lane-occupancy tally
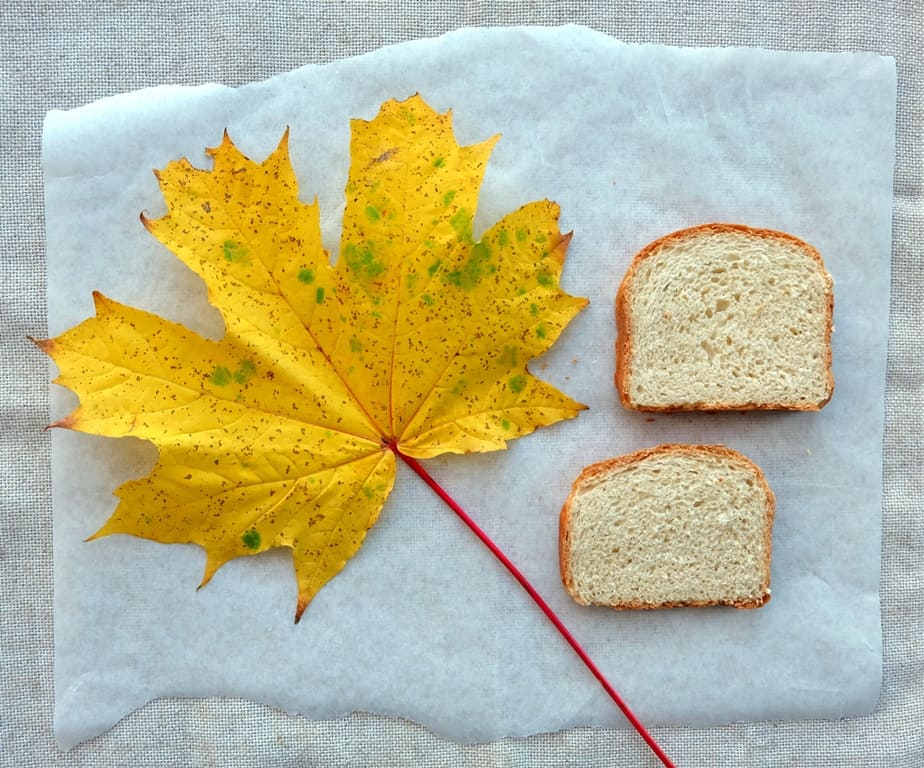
(725, 317)
(676, 525)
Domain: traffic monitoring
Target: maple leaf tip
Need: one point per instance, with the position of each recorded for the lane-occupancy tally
(225, 143)
(46, 345)
(68, 422)
(212, 565)
(94, 536)
(100, 302)
(491, 142)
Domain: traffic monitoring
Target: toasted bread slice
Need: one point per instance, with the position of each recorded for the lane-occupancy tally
(725, 317)
(676, 525)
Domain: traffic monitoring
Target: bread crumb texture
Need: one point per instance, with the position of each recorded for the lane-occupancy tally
(726, 317)
(675, 525)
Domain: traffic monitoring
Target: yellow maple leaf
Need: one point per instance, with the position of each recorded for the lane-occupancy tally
(284, 433)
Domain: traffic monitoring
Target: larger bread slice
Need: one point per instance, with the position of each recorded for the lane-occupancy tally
(676, 525)
(725, 317)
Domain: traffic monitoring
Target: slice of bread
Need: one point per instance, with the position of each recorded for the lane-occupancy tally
(676, 525)
(725, 317)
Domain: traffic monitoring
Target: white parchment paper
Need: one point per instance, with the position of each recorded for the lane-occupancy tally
(633, 142)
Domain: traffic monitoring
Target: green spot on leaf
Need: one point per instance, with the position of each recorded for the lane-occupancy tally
(522, 234)
(473, 270)
(305, 276)
(362, 262)
(319, 295)
(439, 162)
(251, 539)
(545, 279)
(540, 331)
(461, 223)
(368, 492)
(459, 387)
(233, 252)
(355, 345)
(517, 383)
(427, 299)
(244, 371)
(448, 197)
(431, 270)
(534, 309)
(505, 424)
(503, 238)
(221, 376)
(540, 238)
(372, 213)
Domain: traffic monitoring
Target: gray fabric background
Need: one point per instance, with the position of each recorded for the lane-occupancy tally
(64, 54)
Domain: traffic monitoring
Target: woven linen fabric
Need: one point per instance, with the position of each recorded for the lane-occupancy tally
(65, 54)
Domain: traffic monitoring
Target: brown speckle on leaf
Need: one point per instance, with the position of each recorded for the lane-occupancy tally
(386, 155)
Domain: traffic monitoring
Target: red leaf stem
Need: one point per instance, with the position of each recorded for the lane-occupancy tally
(538, 599)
